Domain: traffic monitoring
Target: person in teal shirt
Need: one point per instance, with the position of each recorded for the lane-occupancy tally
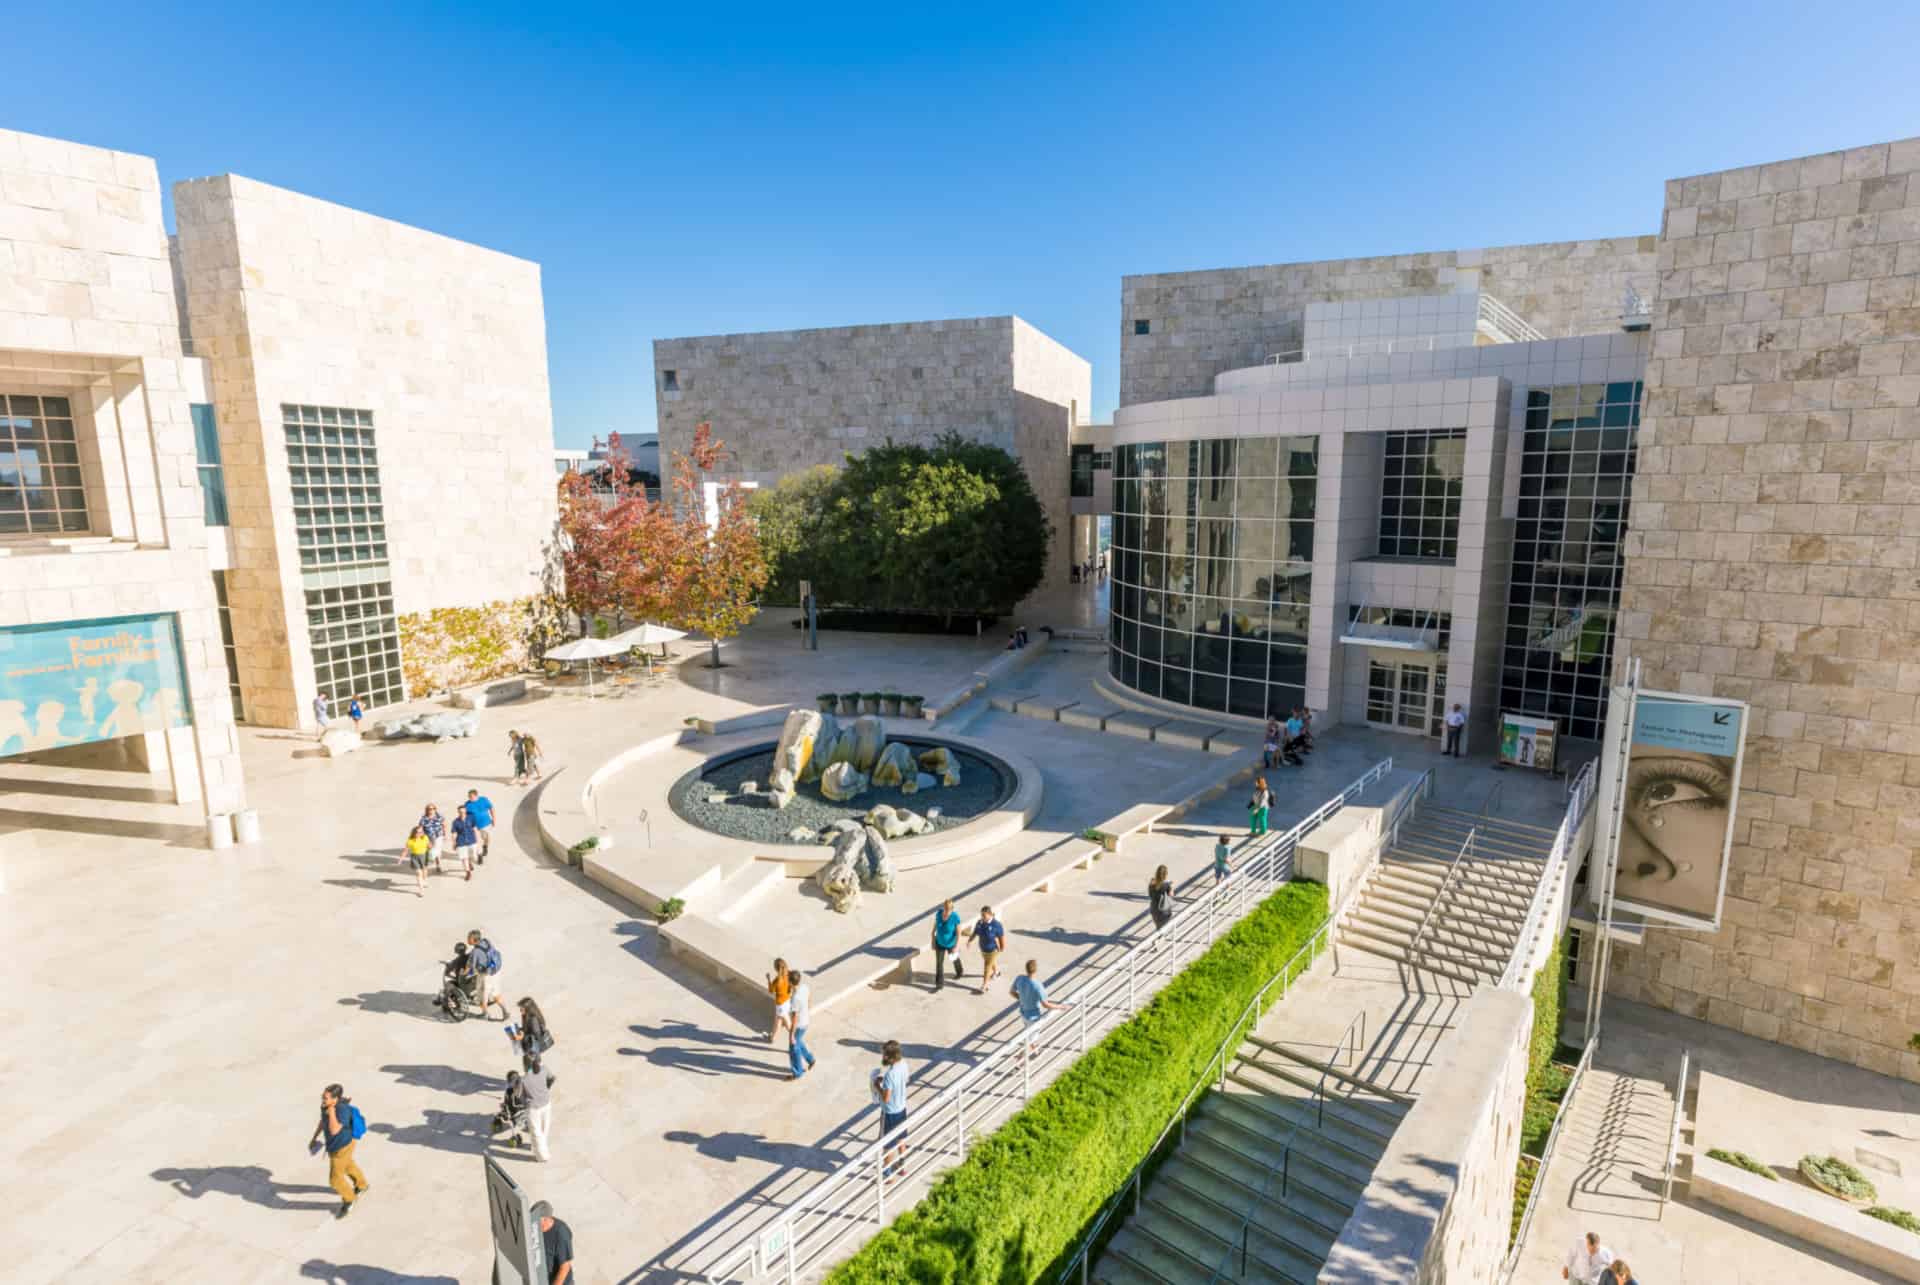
(1220, 854)
(946, 940)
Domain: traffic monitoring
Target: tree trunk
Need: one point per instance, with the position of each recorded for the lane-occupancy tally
(714, 644)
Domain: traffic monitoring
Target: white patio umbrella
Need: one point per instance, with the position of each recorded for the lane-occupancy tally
(589, 650)
(649, 636)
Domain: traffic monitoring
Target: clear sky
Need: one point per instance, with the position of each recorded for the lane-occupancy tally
(692, 169)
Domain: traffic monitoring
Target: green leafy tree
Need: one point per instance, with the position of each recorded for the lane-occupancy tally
(792, 517)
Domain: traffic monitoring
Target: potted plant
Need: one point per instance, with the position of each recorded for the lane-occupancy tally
(869, 702)
(911, 706)
(890, 704)
(826, 701)
(849, 704)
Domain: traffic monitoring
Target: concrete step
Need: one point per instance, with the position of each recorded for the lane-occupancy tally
(1495, 895)
(1441, 821)
(1115, 1268)
(1256, 1135)
(1388, 895)
(1545, 832)
(1139, 1246)
(1494, 876)
(1273, 1070)
(1318, 1213)
(1429, 952)
(1332, 1181)
(1397, 926)
(1521, 867)
(1213, 1232)
(1285, 1107)
(1425, 964)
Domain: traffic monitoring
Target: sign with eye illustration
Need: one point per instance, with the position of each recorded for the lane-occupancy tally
(1682, 777)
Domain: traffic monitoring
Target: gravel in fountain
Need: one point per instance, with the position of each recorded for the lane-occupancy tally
(983, 786)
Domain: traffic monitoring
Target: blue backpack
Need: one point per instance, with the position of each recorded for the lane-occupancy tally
(489, 957)
(356, 1123)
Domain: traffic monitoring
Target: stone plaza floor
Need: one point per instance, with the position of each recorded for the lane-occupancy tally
(176, 1011)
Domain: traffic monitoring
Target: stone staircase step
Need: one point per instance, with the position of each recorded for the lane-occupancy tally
(1520, 881)
(1543, 832)
(1426, 883)
(1519, 866)
(1115, 1268)
(1394, 1103)
(1400, 927)
(1284, 1109)
(1445, 829)
(1387, 895)
(1429, 951)
(1226, 1148)
(1138, 1244)
(1424, 965)
(1319, 1216)
(1341, 1104)
(1211, 1232)
(1256, 1135)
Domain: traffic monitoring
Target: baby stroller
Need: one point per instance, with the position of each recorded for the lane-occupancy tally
(512, 1115)
(459, 987)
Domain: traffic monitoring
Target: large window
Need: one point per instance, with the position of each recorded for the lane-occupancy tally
(1080, 484)
(1420, 494)
(206, 454)
(41, 491)
(1576, 471)
(1212, 575)
(340, 523)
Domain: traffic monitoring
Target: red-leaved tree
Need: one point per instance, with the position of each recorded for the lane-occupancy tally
(719, 568)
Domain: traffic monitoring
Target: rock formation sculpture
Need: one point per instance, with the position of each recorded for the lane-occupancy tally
(941, 763)
(798, 737)
(839, 879)
(895, 766)
(877, 871)
(869, 738)
(842, 781)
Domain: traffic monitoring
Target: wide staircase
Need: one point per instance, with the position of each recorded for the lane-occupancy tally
(1449, 897)
(1269, 1171)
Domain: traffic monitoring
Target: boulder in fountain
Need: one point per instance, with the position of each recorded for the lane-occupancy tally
(941, 763)
(839, 879)
(869, 738)
(842, 781)
(798, 737)
(895, 768)
(876, 871)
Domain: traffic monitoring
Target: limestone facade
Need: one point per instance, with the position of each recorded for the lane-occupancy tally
(1199, 324)
(787, 400)
(1772, 557)
(87, 314)
(298, 301)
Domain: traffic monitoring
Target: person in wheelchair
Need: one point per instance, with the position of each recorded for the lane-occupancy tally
(459, 983)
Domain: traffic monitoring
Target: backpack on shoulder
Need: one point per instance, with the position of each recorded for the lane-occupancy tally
(490, 962)
(356, 1122)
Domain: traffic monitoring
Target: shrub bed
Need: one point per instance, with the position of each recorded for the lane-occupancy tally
(1741, 1160)
(1898, 1217)
(1023, 1198)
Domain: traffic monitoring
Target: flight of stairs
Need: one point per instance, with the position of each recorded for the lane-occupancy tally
(1471, 935)
(1192, 1213)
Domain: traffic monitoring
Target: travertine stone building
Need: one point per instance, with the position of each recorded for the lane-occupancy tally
(430, 354)
(1772, 558)
(783, 401)
(1180, 329)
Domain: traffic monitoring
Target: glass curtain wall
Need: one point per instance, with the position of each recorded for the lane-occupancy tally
(1420, 483)
(1576, 473)
(1212, 571)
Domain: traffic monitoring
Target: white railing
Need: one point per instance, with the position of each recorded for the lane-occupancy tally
(1673, 1129)
(1364, 348)
(1546, 1157)
(1508, 324)
(855, 1197)
(1542, 923)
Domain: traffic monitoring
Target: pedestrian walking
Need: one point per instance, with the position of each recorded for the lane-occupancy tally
(435, 827)
(799, 1056)
(341, 1125)
(322, 713)
(466, 839)
(480, 812)
(1456, 724)
(1587, 1260)
(417, 847)
(1160, 898)
(531, 1033)
(1270, 745)
(946, 939)
(356, 711)
(889, 1083)
(518, 755)
(1222, 853)
(557, 1239)
(990, 935)
(1622, 1274)
(537, 1086)
(530, 753)
(1031, 994)
(485, 960)
(780, 986)
(1258, 806)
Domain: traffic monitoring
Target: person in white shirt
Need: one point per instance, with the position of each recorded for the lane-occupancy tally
(1587, 1260)
(799, 1056)
(321, 712)
(1456, 722)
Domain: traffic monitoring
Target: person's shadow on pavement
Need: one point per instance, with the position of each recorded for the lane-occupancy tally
(251, 1183)
(319, 1269)
(732, 1146)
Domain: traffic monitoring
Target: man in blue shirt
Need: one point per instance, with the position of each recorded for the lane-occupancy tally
(889, 1083)
(341, 1125)
(991, 936)
(1031, 992)
(480, 812)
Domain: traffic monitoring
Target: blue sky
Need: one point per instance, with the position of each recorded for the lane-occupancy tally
(699, 169)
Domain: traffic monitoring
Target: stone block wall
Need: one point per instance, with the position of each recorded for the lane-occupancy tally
(1440, 1203)
(296, 300)
(1774, 557)
(87, 313)
(1202, 323)
(784, 401)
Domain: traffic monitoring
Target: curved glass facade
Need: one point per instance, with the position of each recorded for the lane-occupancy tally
(1212, 575)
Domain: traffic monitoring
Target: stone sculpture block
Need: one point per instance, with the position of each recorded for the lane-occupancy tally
(842, 781)
(877, 870)
(798, 737)
(839, 879)
(895, 767)
(441, 726)
(869, 738)
(823, 743)
(339, 740)
(941, 763)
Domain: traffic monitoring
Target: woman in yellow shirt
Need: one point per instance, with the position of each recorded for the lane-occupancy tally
(780, 986)
(418, 846)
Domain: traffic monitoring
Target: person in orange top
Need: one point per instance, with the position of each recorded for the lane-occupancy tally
(780, 986)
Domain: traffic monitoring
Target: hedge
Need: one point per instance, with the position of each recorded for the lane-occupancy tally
(1546, 1082)
(1020, 1202)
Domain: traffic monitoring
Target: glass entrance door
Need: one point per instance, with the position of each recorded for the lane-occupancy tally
(1415, 683)
(1406, 696)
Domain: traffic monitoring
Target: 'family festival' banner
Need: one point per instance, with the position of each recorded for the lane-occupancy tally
(91, 680)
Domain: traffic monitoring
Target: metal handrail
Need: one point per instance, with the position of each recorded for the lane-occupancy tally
(1518, 974)
(1236, 1035)
(1486, 809)
(1673, 1130)
(1320, 1089)
(1580, 1069)
(1111, 994)
(1440, 895)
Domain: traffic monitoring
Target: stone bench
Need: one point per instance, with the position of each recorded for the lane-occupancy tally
(1135, 723)
(1093, 716)
(1136, 819)
(498, 692)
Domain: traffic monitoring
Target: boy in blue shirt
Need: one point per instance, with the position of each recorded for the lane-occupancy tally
(991, 936)
(1221, 852)
(889, 1083)
(1031, 993)
(480, 812)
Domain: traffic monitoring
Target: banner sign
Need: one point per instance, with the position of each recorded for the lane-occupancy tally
(1526, 741)
(519, 1255)
(90, 680)
(1677, 802)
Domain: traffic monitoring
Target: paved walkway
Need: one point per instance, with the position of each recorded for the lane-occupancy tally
(218, 992)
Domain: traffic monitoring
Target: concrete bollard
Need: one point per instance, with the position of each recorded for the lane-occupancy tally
(220, 831)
